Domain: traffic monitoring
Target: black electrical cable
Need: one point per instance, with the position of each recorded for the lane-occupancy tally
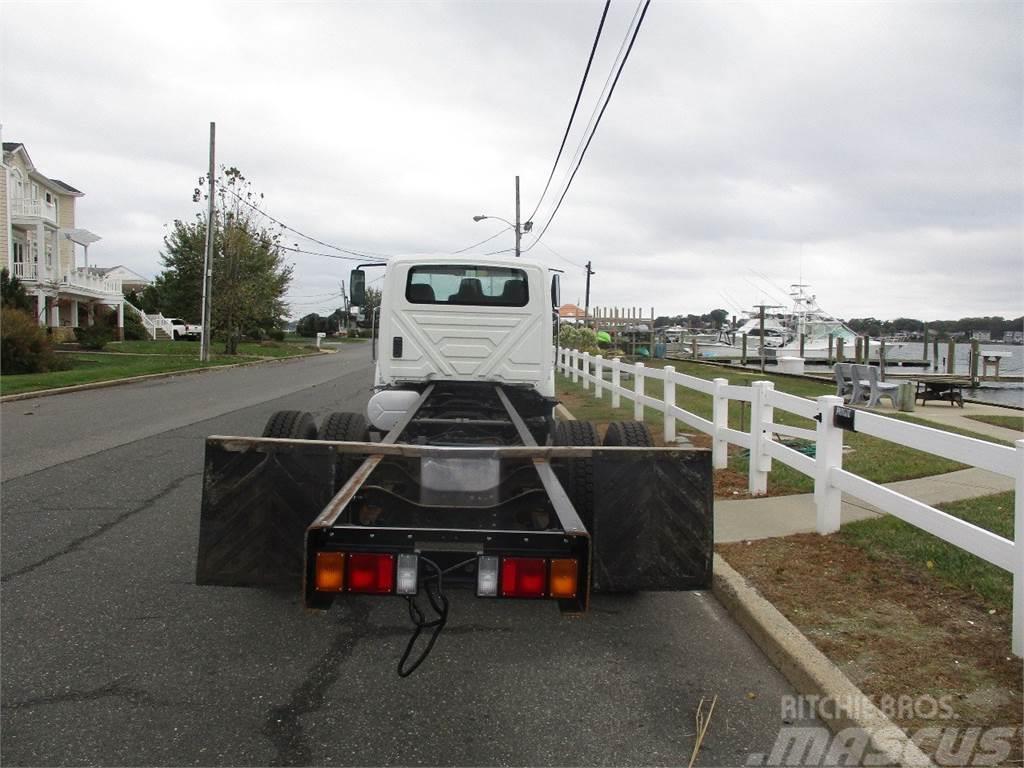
(419, 620)
(551, 218)
(575, 106)
(301, 234)
(440, 606)
(485, 240)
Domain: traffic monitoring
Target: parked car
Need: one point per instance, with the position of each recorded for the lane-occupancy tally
(182, 330)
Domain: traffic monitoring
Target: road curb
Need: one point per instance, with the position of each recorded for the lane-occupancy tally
(810, 671)
(150, 377)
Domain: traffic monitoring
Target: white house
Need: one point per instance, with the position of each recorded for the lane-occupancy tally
(130, 279)
(37, 244)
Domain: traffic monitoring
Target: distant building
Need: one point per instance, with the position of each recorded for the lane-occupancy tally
(981, 335)
(37, 244)
(130, 280)
(570, 313)
(1013, 337)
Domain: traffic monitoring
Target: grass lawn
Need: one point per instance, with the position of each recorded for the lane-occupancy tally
(191, 348)
(122, 360)
(877, 460)
(1010, 422)
(888, 537)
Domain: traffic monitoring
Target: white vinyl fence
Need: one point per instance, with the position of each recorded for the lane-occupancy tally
(826, 467)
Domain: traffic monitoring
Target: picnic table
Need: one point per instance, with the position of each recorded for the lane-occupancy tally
(941, 388)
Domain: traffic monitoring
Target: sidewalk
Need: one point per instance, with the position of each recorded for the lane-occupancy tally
(767, 517)
(954, 416)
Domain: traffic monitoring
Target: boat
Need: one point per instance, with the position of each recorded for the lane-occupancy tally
(729, 343)
(783, 331)
(817, 327)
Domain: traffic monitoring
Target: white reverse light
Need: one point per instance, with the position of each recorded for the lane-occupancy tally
(408, 570)
(487, 576)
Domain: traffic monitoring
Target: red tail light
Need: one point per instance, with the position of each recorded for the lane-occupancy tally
(523, 576)
(371, 573)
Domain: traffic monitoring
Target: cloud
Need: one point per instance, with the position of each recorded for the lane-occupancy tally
(873, 148)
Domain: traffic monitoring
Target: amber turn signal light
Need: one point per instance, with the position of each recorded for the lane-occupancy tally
(330, 571)
(563, 578)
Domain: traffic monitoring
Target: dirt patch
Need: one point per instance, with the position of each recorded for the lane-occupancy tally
(895, 633)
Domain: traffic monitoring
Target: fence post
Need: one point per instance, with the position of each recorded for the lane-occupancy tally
(669, 396)
(598, 376)
(575, 368)
(720, 418)
(761, 415)
(1017, 633)
(616, 382)
(586, 370)
(638, 392)
(828, 453)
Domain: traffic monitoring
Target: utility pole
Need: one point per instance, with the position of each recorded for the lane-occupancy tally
(519, 231)
(204, 343)
(586, 304)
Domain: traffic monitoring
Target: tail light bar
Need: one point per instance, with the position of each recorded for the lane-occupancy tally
(387, 573)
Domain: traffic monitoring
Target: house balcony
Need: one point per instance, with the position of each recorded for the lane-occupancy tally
(26, 208)
(78, 281)
(81, 280)
(25, 272)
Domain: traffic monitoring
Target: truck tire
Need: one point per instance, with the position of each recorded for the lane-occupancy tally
(176, 336)
(346, 427)
(577, 475)
(631, 434)
(295, 424)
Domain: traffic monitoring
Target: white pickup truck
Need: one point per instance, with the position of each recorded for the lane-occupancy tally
(182, 330)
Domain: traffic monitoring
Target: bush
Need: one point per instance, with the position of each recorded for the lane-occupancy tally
(256, 334)
(24, 346)
(133, 327)
(275, 334)
(12, 292)
(94, 336)
(578, 337)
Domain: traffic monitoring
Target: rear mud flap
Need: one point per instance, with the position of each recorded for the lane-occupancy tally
(257, 504)
(653, 521)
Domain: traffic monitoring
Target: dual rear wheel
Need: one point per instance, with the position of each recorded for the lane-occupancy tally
(341, 426)
(577, 475)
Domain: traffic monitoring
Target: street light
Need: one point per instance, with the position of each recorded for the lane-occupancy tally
(519, 229)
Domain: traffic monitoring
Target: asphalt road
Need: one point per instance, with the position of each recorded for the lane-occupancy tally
(112, 656)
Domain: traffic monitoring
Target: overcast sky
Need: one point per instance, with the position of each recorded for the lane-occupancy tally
(873, 149)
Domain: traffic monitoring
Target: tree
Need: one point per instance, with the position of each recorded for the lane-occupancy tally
(370, 307)
(12, 292)
(250, 275)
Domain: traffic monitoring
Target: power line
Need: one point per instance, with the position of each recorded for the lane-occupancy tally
(625, 58)
(485, 240)
(556, 253)
(604, 89)
(575, 106)
(319, 253)
(280, 223)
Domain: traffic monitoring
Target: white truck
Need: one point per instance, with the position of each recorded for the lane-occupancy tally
(182, 330)
(460, 475)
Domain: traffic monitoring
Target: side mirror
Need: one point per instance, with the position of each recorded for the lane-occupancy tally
(556, 292)
(357, 287)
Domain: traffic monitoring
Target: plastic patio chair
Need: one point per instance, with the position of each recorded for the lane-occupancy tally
(861, 384)
(880, 389)
(844, 379)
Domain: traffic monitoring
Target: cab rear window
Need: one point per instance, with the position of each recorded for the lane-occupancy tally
(468, 284)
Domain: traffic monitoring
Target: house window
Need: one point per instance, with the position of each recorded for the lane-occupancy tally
(49, 197)
(49, 255)
(35, 191)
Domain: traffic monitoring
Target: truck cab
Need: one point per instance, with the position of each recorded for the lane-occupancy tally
(468, 319)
